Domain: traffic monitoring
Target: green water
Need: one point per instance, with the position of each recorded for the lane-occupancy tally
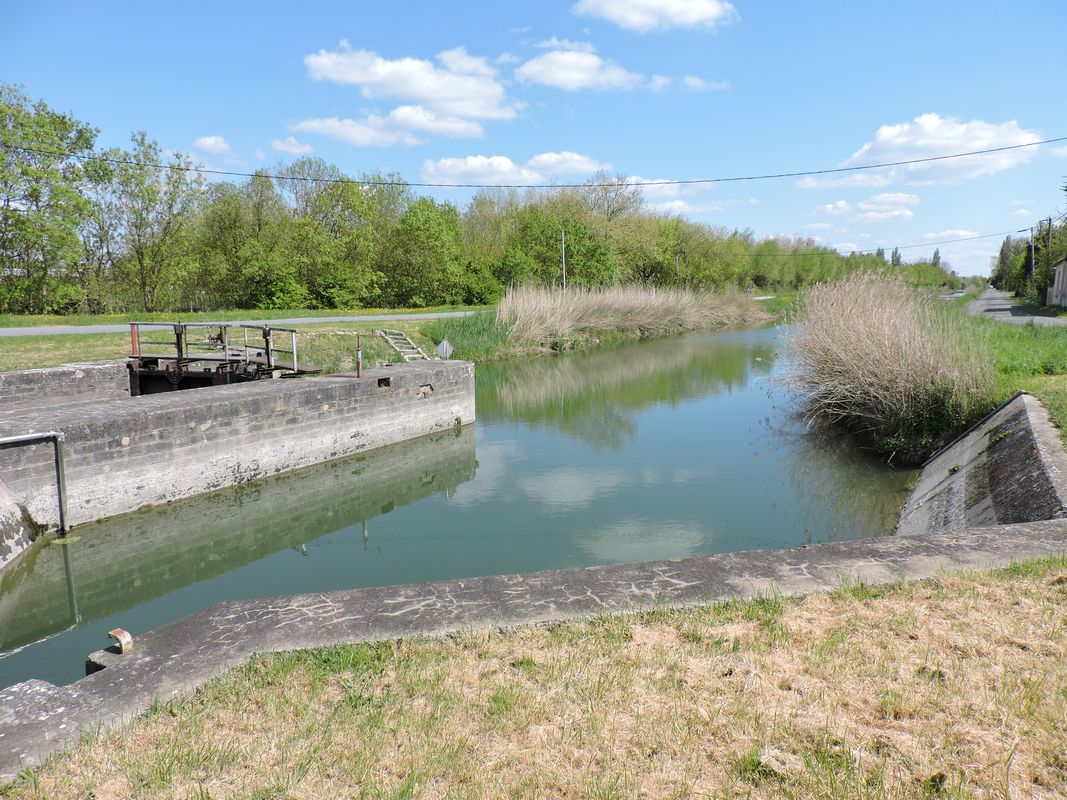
(657, 450)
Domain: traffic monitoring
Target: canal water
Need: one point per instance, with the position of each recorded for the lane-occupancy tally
(655, 450)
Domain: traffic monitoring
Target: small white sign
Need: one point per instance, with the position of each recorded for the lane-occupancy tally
(445, 349)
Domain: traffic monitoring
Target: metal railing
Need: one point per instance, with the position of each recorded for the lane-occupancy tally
(57, 439)
(218, 347)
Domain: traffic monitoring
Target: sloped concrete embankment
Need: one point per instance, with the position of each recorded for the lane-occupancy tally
(1009, 468)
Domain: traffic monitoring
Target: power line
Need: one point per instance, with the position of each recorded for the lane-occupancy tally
(425, 185)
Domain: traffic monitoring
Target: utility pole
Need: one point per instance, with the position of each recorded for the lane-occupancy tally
(1033, 264)
(563, 251)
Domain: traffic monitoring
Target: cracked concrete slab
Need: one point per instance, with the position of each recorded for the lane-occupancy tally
(38, 718)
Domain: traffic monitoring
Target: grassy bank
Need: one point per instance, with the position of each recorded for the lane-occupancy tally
(41, 320)
(534, 320)
(954, 688)
(331, 346)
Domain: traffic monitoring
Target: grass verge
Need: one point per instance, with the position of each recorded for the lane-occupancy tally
(331, 346)
(953, 688)
(40, 320)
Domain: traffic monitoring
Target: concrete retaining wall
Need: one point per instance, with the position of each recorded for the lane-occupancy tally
(15, 534)
(126, 454)
(70, 383)
(1010, 468)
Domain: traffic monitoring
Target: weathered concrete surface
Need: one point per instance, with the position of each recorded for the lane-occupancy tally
(997, 305)
(1010, 468)
(38, 718)
(140, 451)
(15, 534)
(70, 383)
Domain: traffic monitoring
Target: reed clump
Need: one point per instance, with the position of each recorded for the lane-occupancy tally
(547, 318)
(877, 356)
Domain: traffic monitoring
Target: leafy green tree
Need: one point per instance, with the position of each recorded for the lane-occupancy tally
(150, 208)
(895, 258)
(42, 205)
(423, 256)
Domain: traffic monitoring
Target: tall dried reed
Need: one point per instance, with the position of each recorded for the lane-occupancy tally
(539, 317)
(888, 361)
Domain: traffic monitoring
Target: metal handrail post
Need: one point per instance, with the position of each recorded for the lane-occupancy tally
(57, 439)
(296, 365)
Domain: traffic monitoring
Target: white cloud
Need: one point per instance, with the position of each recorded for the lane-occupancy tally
(398, 127)
(260, 155)
(507, 58)
(819, 226)
(1022, 212)
(951, 233)
(931, 135)
(1059, 151)
(886, 207)
(677, 207)
(216, 145)
(648, 15)
(463, 86)
(573, 70)
(566, 163)
(866, 179)
(656, 187)
(290, 145)
(657, 82)
(701, 85)
(834, 209)
(846, 247)
(566, 44)
(499, 170)
(460, 62)
(569, 489)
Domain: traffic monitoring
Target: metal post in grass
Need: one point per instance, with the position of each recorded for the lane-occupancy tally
(359, 356)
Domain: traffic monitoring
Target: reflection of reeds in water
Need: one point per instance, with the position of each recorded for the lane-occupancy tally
(588, 393)
(539, 316)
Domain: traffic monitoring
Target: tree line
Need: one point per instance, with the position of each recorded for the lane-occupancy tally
(1026, 265)
(91, 232)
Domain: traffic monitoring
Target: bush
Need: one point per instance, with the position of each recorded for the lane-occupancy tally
(889, 363)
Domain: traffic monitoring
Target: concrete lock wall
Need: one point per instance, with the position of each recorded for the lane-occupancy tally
(1010, 468)
(126, 454)
(70, 383)
(15, 535)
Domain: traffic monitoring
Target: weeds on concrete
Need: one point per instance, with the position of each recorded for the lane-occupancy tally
(952, 688)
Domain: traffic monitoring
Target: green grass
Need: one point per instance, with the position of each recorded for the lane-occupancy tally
(782, 306)
(477, 337)
(331, 346)
(39, 320)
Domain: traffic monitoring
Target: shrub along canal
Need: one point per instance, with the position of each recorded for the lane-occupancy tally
(652, 450)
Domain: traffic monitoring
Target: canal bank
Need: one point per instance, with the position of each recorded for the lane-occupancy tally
(124, 453)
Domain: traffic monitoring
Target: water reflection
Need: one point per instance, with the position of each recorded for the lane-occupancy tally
(595, 396)
(130, 560)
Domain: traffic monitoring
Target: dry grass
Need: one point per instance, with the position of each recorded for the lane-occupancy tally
(552, 318)
(883, 358)
(951, 688)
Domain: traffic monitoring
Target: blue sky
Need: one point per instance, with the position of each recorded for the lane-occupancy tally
(532, 92)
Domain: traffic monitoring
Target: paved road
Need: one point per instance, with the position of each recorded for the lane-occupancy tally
(998, 305)
(53, 330)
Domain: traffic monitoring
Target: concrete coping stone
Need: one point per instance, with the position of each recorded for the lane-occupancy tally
(38, 718)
